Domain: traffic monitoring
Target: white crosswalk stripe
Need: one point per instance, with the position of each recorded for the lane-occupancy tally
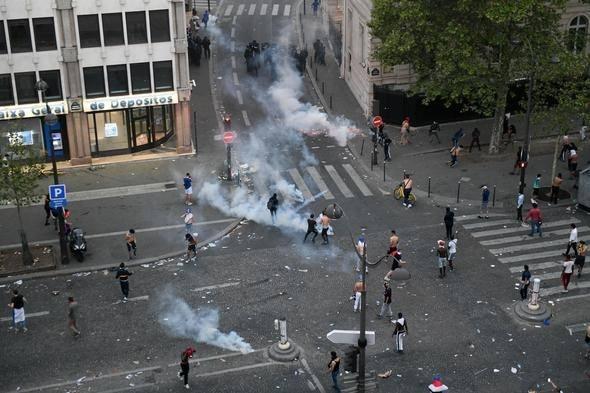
(275, 10)
(204, 4)
(263, 9)
(313, 181)
(228, 10)
(287, 10)
(253, 9)
(509, 242)
(240, 10)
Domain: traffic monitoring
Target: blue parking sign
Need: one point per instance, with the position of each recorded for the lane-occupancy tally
(57, 191)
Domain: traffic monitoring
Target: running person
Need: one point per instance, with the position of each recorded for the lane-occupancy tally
(311, 228)
(131, 242)
(408, 183)
(187, 182)
(191, 245)
(393, 242)
(123, 277)
(184, 365)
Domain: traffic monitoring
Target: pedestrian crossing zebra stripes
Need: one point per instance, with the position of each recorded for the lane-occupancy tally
(252, 9)
(204, 4)
(510, 243)
(314, 180)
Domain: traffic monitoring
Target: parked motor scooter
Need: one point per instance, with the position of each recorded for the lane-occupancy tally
(78, 244)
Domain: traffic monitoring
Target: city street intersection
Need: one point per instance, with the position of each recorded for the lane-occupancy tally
(252, 272)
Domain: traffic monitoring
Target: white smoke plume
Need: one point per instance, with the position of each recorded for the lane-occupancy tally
(202, 326)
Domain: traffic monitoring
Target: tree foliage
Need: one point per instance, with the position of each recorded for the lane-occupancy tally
(20, 171)
(469, 52)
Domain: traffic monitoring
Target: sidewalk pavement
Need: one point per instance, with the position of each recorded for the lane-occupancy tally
(474, 169)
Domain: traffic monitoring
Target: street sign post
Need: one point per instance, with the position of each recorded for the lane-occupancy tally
(228, 139)
(57, 203)
(349, 337)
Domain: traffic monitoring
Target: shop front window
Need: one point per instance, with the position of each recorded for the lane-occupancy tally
(28, 130)
(141, 128)
(108, 131)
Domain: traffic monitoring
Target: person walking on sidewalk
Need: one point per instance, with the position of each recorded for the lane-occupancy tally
(393, 242)
(184, 365)
(272, 205)
(555, 188)
(475, 134)
(123, 277)
(449, 221)
(457, 137)
(485, 199)
(315, 5)
(587, 341)
(17, 303)
(334, 369)
(357, 291)
(47, 209)
(433, 132)
(455, 150)
(581, 257)
(187, 182)
(72, 312)
(536, 219)
(131, 242)
(405, 132)
(399, 332)
(566, 274)
(386, 306)
(206, 44)
(441, 258)
(519, 204)
(525, 281)
(189, 220)
(408, 183)
(452, 246)
(205, 18)
(387, 147)
(573, 241)
(311, 228)
(537, 186)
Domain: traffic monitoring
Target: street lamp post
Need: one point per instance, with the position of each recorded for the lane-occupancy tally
(51, 119)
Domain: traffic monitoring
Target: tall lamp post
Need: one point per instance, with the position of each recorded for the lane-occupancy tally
(50, 120)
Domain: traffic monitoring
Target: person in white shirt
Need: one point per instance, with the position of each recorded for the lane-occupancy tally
(573, 241)
(400, 331)
(189, 220)
(452, 246)
(568, 270)
(519, 204)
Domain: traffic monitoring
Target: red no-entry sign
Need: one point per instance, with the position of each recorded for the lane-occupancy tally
(377, 121)
(228, 137)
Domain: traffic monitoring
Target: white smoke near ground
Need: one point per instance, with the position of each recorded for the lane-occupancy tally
(201, 326)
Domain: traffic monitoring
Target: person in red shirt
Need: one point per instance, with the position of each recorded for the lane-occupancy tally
(535, 218)
(184, 364)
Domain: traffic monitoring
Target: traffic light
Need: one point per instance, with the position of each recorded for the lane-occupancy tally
(350, 359)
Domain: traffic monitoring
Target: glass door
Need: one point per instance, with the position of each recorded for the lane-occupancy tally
(141, 137)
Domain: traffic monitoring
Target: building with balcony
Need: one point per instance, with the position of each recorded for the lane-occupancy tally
(116, 73)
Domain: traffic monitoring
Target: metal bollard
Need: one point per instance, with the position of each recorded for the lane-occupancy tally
(281, 326)
(362, 146)
(322, 88)
(383, 170)
(428, 186)
(316, 74)
(494, 197)
(372, 160)
(458, 190)
(534, 302)
(330, 101)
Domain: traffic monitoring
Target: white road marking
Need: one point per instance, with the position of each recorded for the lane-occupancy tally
(27, 315)
(513, 239)
(252, 9)
(487, 223)
(215, 357)
(561, 299)
(300, 184)
(528, 257)
(504, 231)
(318, 384)
(357, 180)
(246, 120)
(234, 20)
(232, 46)
(228, 10)
(536, 266)
(555, 290)
(232, 370)
(239, 97)
(233, 62)
(236, 80)
(128, 388)
(275, 10)
(579, 327)
(532, 246)
(232, 34)
(240, 9)
(323, 187)
(469, 217)
(547, 276)
(216, 286)
(263, 9)
(134, 299)
(287, 10)
(316, 147)
(121, 233)
(338, 180)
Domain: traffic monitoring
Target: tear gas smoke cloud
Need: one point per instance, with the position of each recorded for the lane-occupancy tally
(202, 326)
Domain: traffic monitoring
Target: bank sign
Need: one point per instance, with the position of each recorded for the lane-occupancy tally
(134, 101)
(33, 110)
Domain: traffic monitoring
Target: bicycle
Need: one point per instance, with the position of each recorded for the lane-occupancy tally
(398, 193)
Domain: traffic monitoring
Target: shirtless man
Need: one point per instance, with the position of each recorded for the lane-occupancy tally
(393, 241)
(325, 221)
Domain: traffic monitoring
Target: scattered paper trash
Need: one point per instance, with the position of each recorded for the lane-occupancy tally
(20, 282)
(513, 370)
(496, 370)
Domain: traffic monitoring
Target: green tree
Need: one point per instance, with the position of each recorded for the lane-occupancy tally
(469, 52)
(20, 172)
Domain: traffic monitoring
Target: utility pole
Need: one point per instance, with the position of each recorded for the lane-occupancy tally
(527, 137)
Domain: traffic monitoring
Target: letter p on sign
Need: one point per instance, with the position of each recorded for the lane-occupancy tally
(57, 191)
